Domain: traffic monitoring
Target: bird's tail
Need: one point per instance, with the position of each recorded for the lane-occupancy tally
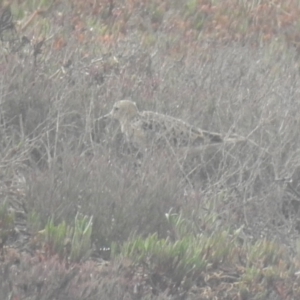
(213, 137)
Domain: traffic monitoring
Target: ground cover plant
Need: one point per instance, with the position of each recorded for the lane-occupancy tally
(83, 215)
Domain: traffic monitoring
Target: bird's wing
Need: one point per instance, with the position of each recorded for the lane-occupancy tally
(174, 131)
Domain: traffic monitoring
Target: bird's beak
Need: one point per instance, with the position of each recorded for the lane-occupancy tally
(105, 116)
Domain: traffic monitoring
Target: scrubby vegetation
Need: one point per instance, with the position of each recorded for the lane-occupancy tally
(83, 217)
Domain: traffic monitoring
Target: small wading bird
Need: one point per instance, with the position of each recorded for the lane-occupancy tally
(146, 128)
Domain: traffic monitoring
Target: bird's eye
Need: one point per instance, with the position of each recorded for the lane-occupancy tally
(116, 108)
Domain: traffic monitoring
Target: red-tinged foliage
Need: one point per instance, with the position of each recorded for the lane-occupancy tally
(225, 21)
(59, 43)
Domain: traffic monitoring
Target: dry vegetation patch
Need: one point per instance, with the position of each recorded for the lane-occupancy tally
(83, 215)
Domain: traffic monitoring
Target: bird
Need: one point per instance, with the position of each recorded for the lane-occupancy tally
(147, 128)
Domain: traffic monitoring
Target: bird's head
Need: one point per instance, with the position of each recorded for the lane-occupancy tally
(123, 111)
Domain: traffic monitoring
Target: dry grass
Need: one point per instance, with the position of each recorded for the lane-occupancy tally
(233, 74)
